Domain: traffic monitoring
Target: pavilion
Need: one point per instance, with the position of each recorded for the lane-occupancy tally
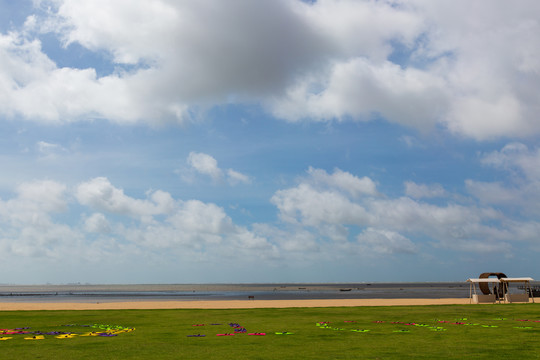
(500, 290)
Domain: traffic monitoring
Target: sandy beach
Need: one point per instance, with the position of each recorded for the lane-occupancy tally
(226, 304)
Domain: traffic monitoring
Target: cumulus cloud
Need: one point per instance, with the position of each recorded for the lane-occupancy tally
(392, 221)
(488, 98)
(310, 206)
(28, 225)
(517, 159)
(471, 69)
(122, 229)
(164, 221)
(295, 243)
(418, 191)
(385, 242)
(100, 194)
(326, 216)
(451, 78)
(364, 90)
(519, 187)
(97, 223)
(237, 178)
(207, 165)
(493, 192)
(345, 181)
(42, 196)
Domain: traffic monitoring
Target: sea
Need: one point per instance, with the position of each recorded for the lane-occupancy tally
(196, 292)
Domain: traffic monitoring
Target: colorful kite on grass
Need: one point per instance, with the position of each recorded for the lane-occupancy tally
(411, 324)
(101, 330)
(237, 330)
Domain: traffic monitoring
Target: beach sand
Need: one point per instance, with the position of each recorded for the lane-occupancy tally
(225, 304)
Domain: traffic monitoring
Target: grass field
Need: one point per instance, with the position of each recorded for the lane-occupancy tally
(420, 332)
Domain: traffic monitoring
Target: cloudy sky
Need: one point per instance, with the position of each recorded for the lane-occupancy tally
(172, 141)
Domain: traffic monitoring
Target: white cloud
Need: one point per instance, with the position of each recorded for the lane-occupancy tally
(365, 90)
(196, 217)
(49, 150)
(521, 186)
(203, 230)
(46, 196)
(470, 68)
(33, 86)
(127, 230)
(310, 206)
(345, 181)
(490, 70)
(329, 212)
(493, 192)
(488, 118)
(197, 53)
(333, 217)
(28, 226)
(293, 242)
(443, 223)
(166, 223)
(516, 158)
(235, 177)
(97, 223)
(111, 26)
(473, 69)
(207, 165)
(418, 191)
(100, 194)
(385, 242)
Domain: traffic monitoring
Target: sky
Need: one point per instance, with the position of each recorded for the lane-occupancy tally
(178, 141)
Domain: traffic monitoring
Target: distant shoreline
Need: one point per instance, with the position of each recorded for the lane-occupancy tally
(190, 293)
(228, 292)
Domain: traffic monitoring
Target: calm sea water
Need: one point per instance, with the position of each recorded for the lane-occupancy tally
(192, 292)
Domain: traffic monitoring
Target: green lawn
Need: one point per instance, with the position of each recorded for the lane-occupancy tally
(456, 331)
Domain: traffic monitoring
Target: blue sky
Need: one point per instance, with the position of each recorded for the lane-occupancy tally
(276, 141)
